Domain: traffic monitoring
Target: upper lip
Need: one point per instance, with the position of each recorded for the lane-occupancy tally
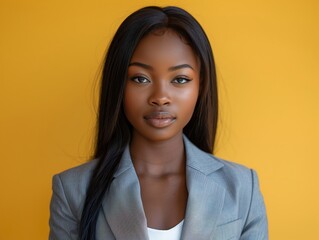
(159, 115)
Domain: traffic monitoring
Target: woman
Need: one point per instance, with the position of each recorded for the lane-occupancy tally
(153, 176)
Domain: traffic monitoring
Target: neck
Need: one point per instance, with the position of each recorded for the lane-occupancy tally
(158, 158)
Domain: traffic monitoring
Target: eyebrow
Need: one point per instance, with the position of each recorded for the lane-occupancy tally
(148, 67)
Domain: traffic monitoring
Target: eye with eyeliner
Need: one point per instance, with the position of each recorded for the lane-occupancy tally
(181, 80)
(140, 79)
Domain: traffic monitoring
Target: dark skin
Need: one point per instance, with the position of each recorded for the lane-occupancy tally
(163, 182)
(160, 97)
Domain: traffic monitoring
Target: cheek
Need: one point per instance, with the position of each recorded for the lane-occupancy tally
(192, 94)
(188, 102)
(132, 102)
(128, 103)
(191, 104)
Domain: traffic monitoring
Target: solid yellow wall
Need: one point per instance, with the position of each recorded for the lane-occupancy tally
(267, 55)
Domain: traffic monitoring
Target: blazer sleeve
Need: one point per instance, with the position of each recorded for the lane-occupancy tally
(63, 223)
(256, 226)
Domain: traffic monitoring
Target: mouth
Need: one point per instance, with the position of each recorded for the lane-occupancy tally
(159, 119)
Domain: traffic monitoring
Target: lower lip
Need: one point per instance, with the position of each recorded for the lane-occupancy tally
(160, 122)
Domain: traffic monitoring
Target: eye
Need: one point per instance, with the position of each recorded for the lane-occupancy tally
(140, 79)
(181, 80)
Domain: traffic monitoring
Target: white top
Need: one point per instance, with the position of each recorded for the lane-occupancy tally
(171, 234)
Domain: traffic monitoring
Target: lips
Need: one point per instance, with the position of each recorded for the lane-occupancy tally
(159, 119)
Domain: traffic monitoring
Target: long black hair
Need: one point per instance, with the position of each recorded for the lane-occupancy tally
(113, 129)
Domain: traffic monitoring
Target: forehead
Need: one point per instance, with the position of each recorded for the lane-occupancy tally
(164, 46)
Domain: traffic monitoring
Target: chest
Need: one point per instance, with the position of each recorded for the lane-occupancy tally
(164, 200)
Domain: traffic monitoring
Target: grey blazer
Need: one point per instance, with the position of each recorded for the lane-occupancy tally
(224, 202)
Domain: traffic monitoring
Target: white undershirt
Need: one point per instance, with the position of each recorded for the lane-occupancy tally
(171, 234)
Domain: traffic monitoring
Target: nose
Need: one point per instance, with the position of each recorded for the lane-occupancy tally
(159, 96)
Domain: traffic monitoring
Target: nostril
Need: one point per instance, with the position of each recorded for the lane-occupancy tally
(159, 101)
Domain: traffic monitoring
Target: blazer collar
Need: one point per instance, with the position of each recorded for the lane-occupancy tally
(123, 207)
(199, 160)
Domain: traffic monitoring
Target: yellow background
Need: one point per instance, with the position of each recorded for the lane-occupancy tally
(267, 55)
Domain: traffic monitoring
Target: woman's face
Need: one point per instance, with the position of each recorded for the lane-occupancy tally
(162, 86)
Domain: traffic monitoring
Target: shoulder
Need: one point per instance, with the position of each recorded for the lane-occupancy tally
(229, 175)
(241, 185)
(240, 182)
(236, 179)
(71, 185)
(212, 166)
(232, 176)
(79, 174)
(233, 170)
(76, 179)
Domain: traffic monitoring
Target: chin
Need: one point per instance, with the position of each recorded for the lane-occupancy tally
(161, 135)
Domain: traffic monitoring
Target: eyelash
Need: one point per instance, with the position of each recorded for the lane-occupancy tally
(138, 79)
(184, 79)
(177, 80)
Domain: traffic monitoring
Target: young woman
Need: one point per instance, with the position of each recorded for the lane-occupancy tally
(153, 176)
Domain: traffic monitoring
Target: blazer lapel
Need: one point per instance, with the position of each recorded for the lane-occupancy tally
(205, 196)
(122, 206)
